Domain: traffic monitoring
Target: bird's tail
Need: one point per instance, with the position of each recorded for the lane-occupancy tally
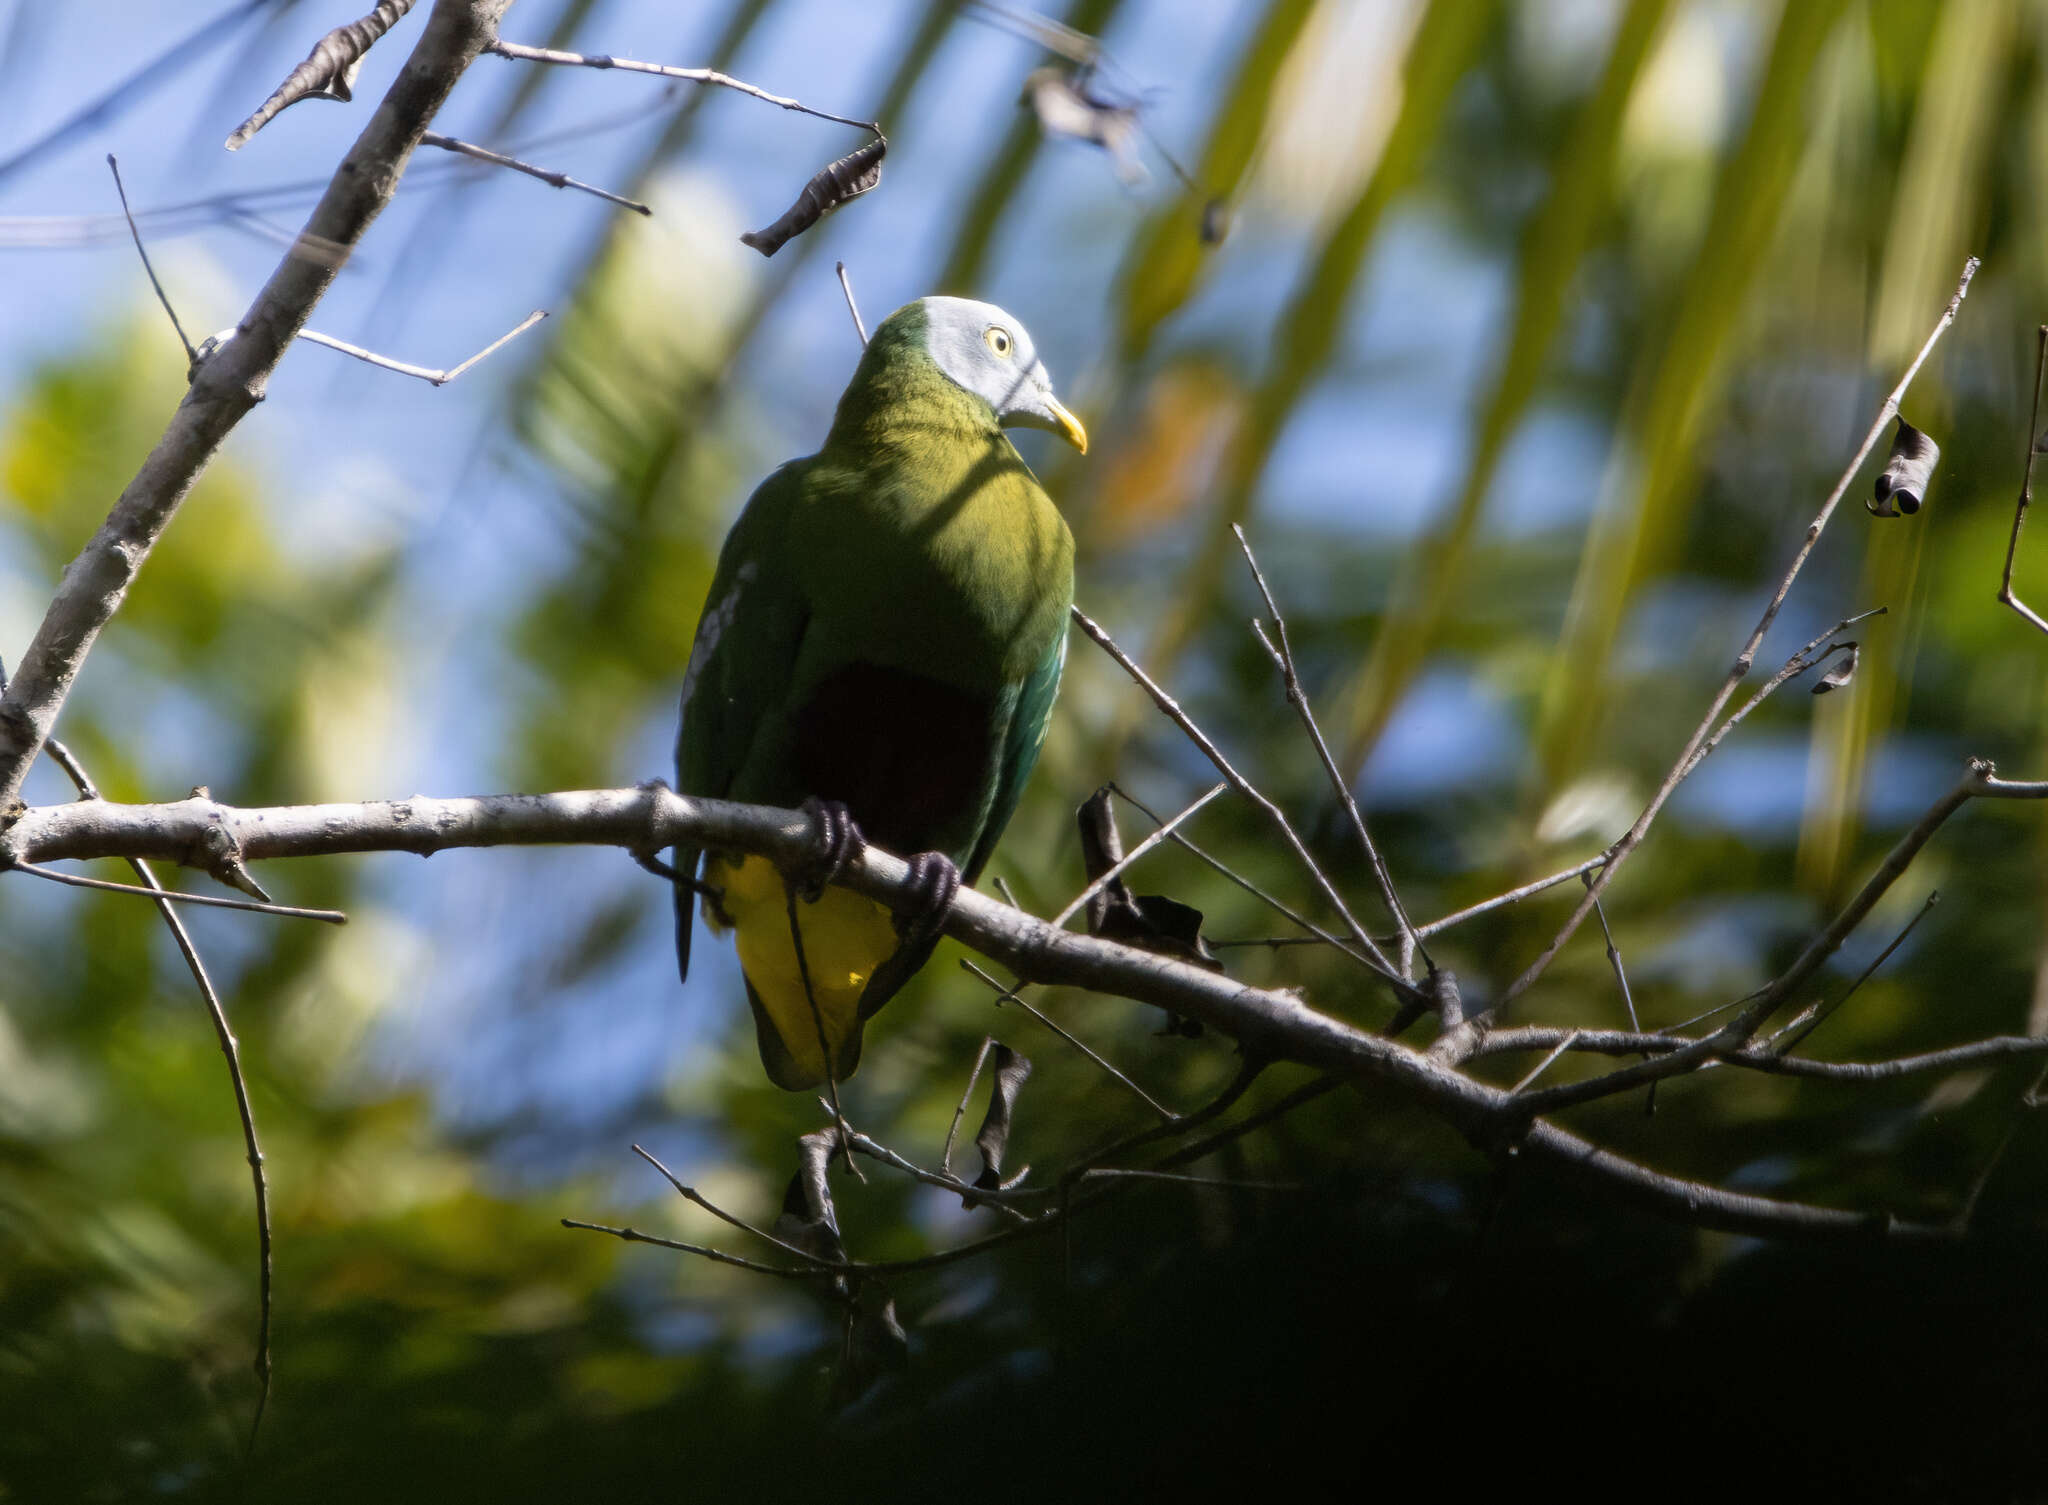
(807, 1009)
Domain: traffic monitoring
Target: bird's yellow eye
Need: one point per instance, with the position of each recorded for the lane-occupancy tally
(998, 339)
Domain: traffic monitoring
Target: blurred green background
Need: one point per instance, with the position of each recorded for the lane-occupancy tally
(1539, 334)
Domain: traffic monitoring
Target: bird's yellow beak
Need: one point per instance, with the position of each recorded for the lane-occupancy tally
(1069, 426)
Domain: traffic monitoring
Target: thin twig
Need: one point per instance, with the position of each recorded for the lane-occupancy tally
(1000, 1198)
(692, 1195)
(428, 374)
(846, 287)
(1116, 870)
(635, 1236)
(230, 1049)
(2019, 513)
(191, 354)
(803, 972)
(1315, 931)
(1105, 1172)
(1014, 994)
(980, 1059)
(172, 895)
(1247, 1073)
(1297, 695)
(1686, 760)
(1180, 718)
(1794, 1034)
(518, 53)
(1512, 896)
(1545, 1064)
(1628, 1000)
(546, 175)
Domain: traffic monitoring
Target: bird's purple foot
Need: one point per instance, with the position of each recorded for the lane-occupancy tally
(936, 881)
(837, 842)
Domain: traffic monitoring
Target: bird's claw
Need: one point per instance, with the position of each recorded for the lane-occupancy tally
(836, 843)
(935, 881)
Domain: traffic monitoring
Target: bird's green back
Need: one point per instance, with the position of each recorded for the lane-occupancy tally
(914, 553)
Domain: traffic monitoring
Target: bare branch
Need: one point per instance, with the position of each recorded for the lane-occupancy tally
(231, 381)
(1687, 759)
(1268, 1025)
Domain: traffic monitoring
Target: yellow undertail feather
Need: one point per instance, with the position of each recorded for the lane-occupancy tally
(845, 938)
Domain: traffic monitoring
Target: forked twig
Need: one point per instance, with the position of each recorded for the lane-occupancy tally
(1290, 679)
(692, 1195)
(1180, 718)
(1315, 932)
(426, 374)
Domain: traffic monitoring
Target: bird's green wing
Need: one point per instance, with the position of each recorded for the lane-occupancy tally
(740, 664)
(1025, 735)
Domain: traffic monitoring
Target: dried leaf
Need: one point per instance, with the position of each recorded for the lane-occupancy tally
(1007, 1080)
(1066, 107)
(1902, 484)
(1150, 922)
(329, 71)
(808, 1219)
(1843, 671)
(848, 178)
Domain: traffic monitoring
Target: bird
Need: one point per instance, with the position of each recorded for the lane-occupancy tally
(881, 644)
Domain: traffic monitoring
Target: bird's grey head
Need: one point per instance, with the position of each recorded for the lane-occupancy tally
(990, 354)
